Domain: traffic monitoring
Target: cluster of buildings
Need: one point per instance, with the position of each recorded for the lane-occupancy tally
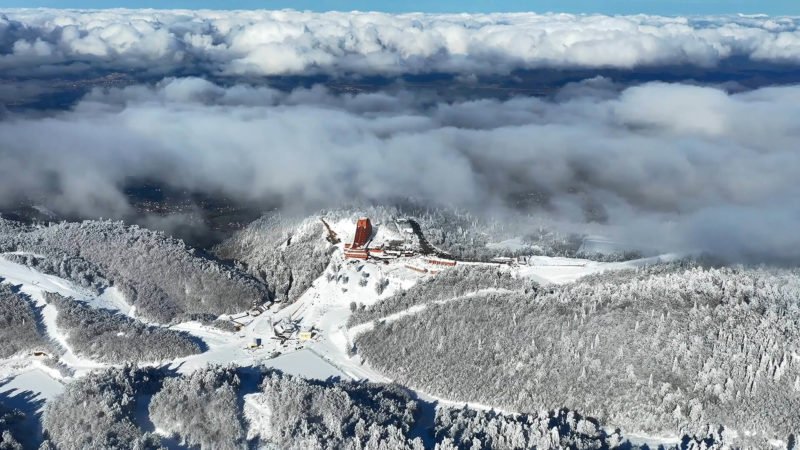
(407, 243)
(361, 247)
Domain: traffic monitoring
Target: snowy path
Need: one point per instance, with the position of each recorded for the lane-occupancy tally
(354, 331)
(68, 357)
(35, 284)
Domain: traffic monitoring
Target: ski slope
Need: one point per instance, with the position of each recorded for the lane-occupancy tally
(558, 270)
(354, 331)
(35, 284)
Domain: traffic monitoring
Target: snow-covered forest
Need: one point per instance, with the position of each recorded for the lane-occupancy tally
(240, 408)
(666, 348)
(109, 336)
(450, 284)
(100, 411)
(201, 409)
(288, 255)
(293, 413)
(467, 236)
(9, 419)
(489, 430)
(19, 324)
(161, 276)
(683, 348)
(466, 428)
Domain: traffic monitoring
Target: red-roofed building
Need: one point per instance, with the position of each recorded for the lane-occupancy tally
(363, 232)
(358, 249)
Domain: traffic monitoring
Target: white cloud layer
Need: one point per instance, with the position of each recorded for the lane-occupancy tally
(256, 43)
(677, 166)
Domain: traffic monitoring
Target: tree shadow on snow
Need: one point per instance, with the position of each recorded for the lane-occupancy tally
(142, 415)
(27, 430)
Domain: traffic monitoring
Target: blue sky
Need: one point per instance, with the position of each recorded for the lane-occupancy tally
(667, 7)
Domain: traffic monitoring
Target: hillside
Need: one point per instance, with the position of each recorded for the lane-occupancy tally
(288, 253)
(285, 254)
(163, 278)
(402, 353)
(109, 336)
(19, 328)
(666, 348)
(238, 408)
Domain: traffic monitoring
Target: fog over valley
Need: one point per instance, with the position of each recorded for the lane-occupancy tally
(677, 166)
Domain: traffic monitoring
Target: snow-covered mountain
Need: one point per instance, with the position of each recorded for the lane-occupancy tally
(116, 336)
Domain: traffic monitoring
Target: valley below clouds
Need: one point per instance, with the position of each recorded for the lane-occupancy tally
(677, 166)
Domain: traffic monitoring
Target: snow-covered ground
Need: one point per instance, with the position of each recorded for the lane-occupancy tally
(324, 308)
(25, 381)
(558, 270)
(35, 284)
(30, 388)
(652, 440)
(113, 299)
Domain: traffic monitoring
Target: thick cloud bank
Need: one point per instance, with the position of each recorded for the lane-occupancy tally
(58, 42)
(676, 166)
